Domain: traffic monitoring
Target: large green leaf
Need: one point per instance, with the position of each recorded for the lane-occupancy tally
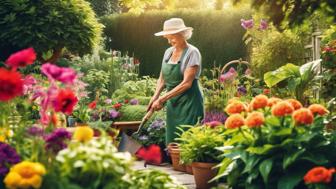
(291, 179)
(261, 150)
(284, 72)
(265, 168)
(291, 157)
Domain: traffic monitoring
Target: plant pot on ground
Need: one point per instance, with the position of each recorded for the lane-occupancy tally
(203, 172)
(174, 152)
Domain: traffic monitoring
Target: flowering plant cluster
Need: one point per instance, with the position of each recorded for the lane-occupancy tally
(320, 178)
(153, 134)
(274, 142)
(329, 55)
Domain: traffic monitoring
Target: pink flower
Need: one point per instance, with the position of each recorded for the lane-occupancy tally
(247, 24)
(228, 76)
(21, 58)
(28, 83)
(64, 75)
(248, 71)
(263, 25)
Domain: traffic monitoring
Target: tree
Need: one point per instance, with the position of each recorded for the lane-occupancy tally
(48, 26)
(139, 6)
(289, 12)
(105, 7)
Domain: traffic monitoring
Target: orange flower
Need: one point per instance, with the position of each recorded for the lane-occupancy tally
(234, 121)
(235, 107)
(255, 119)
(318, 109)
(303, 116)
(260, 101)
(282, 108)
(319, 175)
(272, 101)
(295, 103)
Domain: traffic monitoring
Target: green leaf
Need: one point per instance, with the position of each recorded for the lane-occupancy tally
(272, 120)
(290, 158)
(283, 132)
(261, 150)
(291, 179)
(284, 72)
(265, 168)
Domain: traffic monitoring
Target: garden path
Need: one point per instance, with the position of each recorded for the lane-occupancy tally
(183, 178)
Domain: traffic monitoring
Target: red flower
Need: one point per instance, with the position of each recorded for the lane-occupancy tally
(318, 109)
(282, 109)
(11, 84)
(319, 175)
(151, 154)
(65, 101)
(126, 101)
(303, 116)
(22, 58)
(136, 61)
(266, 91)
(255, 119)
(234, 121)
(295, 103)
(117, 106)
(93, 105)
(260, 101)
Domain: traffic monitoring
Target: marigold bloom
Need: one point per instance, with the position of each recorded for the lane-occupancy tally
(11, 84)
(318, 175)
(272, 101)
(83, 134)
(25, 175)
(260, 101)
(22, 58)
(282, 109)
(235, 107)
(303, 116)
(234, 121)
(255, 119)
(295, 103)
(318, 109)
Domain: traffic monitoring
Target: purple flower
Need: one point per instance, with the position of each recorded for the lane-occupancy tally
(108, 101)
(35, 130)
(228, 76)
(8, 157)
(242, 90)
(134, 102)
(114, 114)
(214, 116)
(263, 25)
(56, 140)
(247, 24)
(157, 124)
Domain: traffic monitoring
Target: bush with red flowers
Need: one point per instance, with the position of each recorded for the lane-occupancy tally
(274, 146)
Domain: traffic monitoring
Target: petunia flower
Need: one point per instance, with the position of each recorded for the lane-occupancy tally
(11, 84)
(65, 101)
(64, 75)
(21, 58)
(263, 25)
(228, 76)
(247, 24)
(28, 83)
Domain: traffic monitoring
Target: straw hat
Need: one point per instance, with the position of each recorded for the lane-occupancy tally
(173, 26)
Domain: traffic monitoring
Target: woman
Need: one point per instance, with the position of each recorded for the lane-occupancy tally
(181, 68)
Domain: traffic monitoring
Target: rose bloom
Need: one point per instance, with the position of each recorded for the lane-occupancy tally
(295, 103)
(255, 119)
(234, 121)
(11, 84)
(83, 134)
(303, 116)
(282, 109)
(319, 175)
(21, 58)
(318, 109)
(272, 101)
(235, 107)
(260, 101)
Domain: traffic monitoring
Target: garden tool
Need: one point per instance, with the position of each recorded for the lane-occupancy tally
(129, 144)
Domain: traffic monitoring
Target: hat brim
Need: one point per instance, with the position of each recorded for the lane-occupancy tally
(162, 33)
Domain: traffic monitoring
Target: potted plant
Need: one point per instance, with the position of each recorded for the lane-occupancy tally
(198, 147)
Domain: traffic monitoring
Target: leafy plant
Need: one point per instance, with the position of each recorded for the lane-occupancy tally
(132, 112)
(199, 143)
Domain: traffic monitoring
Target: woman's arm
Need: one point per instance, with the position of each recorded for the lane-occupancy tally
(159, 87)
(189, 76)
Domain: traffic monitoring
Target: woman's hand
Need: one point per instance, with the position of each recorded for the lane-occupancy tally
(157, 105)
(152, 100)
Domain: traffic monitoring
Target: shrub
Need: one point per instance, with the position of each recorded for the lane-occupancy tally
(217, 34)
(70, 24)
(276, 50)
(133, 112)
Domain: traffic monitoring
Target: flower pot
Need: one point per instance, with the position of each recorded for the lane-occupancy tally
(71, 121)
(81, 124)
(174, 152)
(189, 169)
(203, 173)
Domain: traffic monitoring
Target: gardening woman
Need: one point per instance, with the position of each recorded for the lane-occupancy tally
(181, 68)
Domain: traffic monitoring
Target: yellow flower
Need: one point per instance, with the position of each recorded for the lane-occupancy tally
(83, 134)
(25, 175)
(2, 138)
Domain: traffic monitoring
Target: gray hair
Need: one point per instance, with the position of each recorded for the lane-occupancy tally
(186, 34)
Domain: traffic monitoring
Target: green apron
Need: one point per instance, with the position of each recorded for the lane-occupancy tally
(184, 109)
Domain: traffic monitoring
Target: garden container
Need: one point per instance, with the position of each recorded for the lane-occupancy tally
(203, 173)
(189, 169)
(174, 152)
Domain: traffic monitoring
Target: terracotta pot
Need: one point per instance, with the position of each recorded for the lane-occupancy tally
(203, 173)
(174, 152)
(81, 124)
(189, 169)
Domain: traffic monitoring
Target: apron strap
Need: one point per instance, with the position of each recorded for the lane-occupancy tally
(182, 55)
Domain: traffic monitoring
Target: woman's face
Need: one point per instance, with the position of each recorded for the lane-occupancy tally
(175, 40)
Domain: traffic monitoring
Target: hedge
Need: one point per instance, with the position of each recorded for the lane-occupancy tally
(217, 34)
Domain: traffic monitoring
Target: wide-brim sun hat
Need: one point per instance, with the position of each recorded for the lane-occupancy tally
(173, 26)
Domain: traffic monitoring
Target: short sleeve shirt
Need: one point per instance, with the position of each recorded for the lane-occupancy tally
(191, 58)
